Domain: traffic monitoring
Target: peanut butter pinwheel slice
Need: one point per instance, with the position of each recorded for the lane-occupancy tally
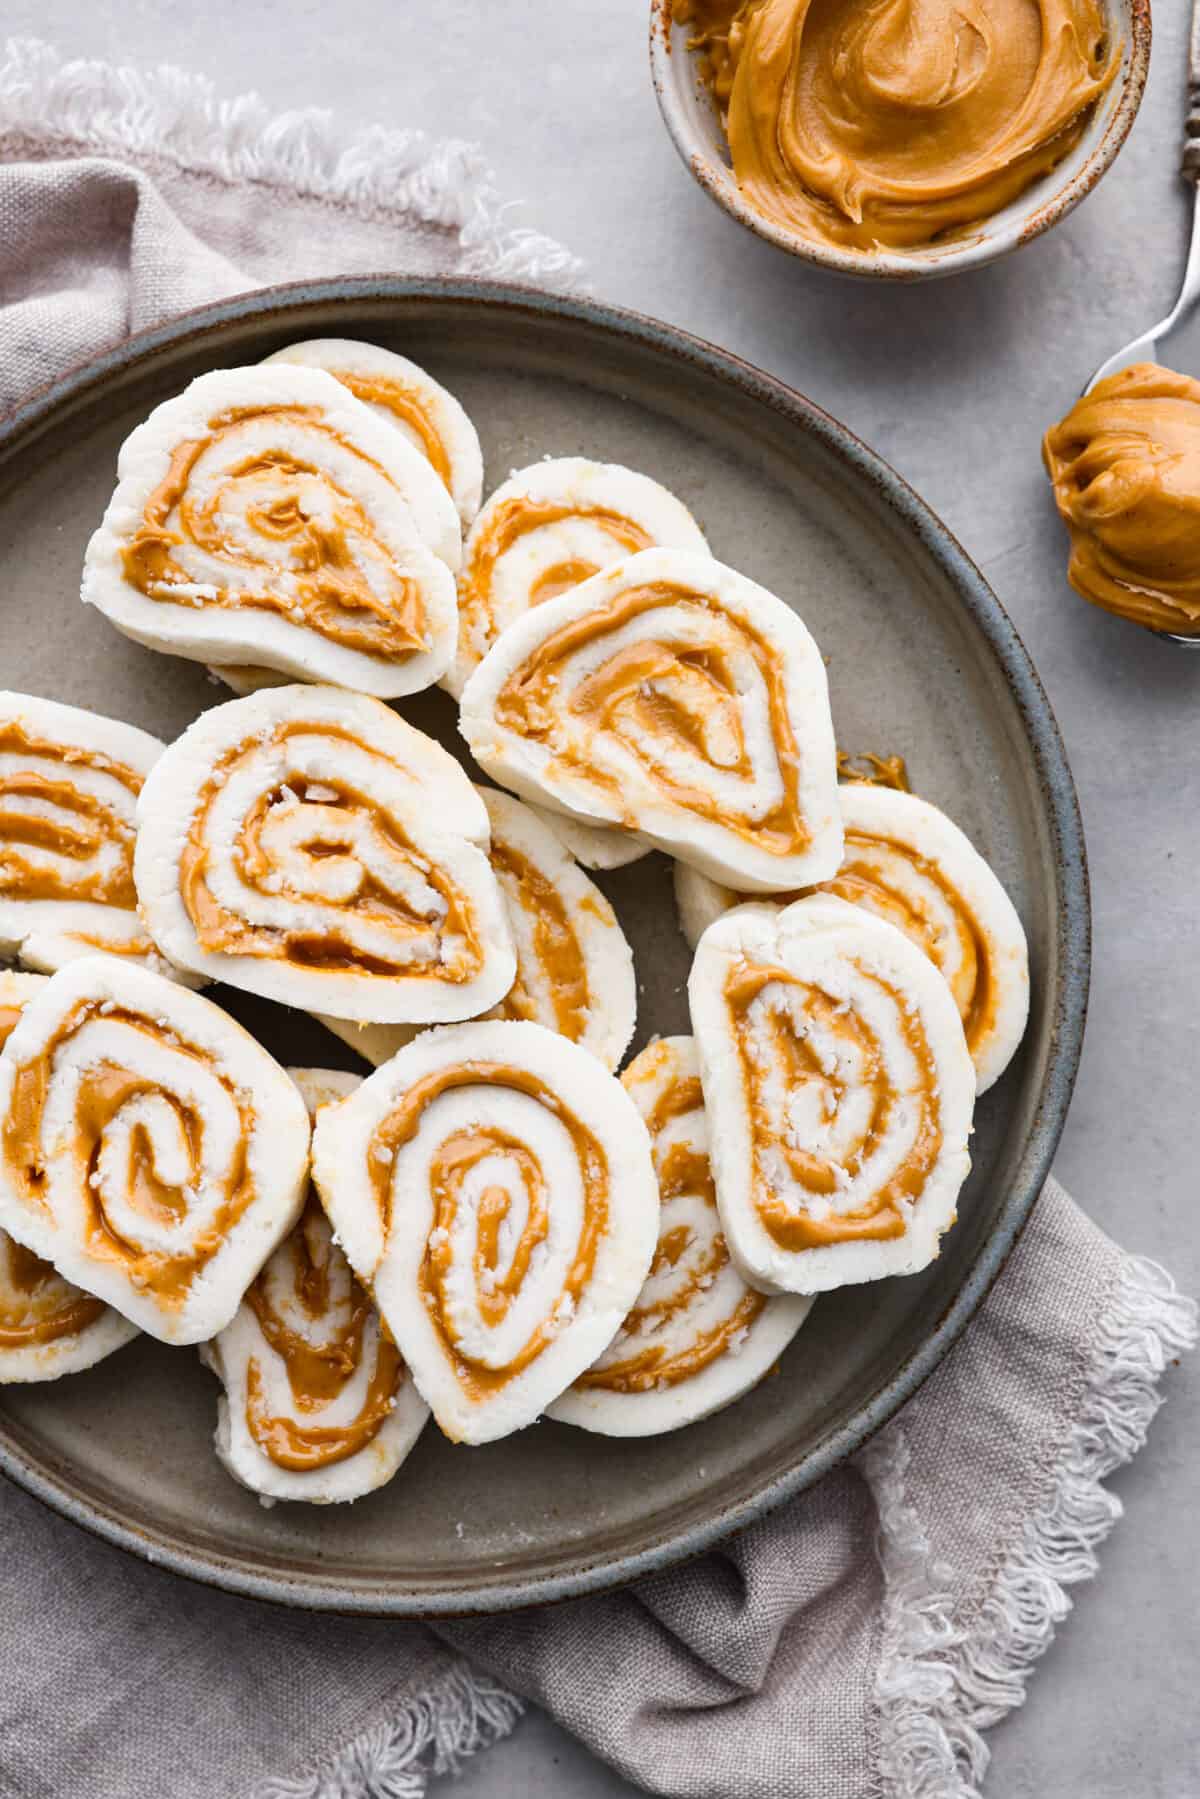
(409, 399)
(149, 1147)
(318, 1405)
(493, 1185)
(266, 518)
(673, 696)
(47, 1326)
(698, 1337)
(908, 863)
(307, 845)
(574, 965)
(69, 785)
(839, 1092)
(548, 528)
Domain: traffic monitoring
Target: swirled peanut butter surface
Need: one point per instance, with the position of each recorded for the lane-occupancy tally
(324, 1328)
(888, 123)
(1125, 463)
(36, 1304)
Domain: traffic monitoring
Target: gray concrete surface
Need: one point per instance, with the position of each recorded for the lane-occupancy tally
(954, 383)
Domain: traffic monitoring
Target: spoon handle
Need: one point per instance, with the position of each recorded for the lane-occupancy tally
(1191, 140)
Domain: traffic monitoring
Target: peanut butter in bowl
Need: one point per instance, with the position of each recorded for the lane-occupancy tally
(889, 125)
(1125, 465)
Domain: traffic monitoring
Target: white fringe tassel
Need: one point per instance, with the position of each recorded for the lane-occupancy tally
(431, 1734)
(167, 114)
(941, 1685)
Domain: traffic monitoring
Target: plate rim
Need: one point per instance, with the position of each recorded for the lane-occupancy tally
(1073, 931)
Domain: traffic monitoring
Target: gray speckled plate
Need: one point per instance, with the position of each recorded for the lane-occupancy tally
(922, 660)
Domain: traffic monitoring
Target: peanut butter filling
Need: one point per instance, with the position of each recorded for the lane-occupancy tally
(36, 1304)
(406, 405)
(866, 879)
(91, 828)
(1125, 464)
(300, 562)
(654, 697)
(507, 524)
(139, 947)
(797, 1064)
(865, 769)
(331, 819)
(461, 1152)
(556, 947)
(321, 1364)
(101, 1091)
(886, 124)
(682, 1170)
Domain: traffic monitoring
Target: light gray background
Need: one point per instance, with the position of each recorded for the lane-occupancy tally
(954, 383)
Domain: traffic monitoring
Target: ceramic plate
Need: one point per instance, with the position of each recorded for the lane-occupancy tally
(922, 660)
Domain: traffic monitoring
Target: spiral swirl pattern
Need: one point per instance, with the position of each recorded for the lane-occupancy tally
(840, 1092)
(69, 784)
(149, 1147)
(574, 967)
(286, 846)
(697, 1336)
(890, 123)
(494, 1184)
(411, 401)
(674, 697)
(548, 528)
(47, 1326)
(318, 1404)
(322, 1325)
(37, 1307)
(267, 517)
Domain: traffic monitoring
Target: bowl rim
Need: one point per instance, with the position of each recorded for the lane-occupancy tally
(925, 262)
(1068, 999)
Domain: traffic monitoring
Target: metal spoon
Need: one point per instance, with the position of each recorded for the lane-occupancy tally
(1147, 347)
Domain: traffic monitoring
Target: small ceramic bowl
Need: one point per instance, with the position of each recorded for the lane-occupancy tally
(691, 118)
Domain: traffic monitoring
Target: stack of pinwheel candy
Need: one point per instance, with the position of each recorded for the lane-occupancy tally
(493, 1225)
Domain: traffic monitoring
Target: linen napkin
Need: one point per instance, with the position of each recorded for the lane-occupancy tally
(859, 1640)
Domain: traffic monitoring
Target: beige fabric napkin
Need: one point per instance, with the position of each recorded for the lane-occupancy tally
(856, 1643)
